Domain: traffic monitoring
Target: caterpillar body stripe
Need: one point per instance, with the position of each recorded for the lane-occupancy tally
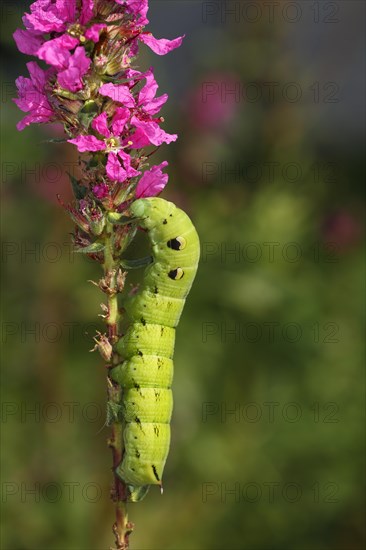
(148, 345)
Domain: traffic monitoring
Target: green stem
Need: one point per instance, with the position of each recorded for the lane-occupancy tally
(122, 527)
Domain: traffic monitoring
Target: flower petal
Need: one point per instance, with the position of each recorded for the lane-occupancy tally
(114, 169)
(86, 11)
(153, 132)
(100, 125)
(56, 52)
(131, 172)
(153, 107)
(148, 92)
(94, 31)
(152, 182)
(137, 140)
(160, 46)
(119, 93)
(71, 78)
(87, 143)
(119, 120)
(28, 42)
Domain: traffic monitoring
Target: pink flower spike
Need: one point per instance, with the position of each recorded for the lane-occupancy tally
(152, 182)
(100, 125)
(87, 143)
(119, 93)
(28, 42)
(114, 169)
(162, 46)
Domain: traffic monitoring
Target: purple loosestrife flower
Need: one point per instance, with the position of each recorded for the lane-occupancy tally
(109, 109)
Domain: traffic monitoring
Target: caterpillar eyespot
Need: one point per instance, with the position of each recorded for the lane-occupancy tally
(179, 243)
(148, 345)
(176, 274)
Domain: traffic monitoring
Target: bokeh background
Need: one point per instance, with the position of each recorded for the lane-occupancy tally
(268, 442)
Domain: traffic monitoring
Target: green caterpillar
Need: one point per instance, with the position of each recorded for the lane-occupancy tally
(148, 345)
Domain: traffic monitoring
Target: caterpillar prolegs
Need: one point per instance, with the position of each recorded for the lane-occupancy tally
(148, 345)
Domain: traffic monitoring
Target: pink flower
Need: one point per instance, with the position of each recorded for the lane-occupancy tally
(56, 52)
(120, 93)
(138, 8)
(32, 97)
(147, 100)
(148, 131)
(94, 31)
(152, 182)
(87, 7)
(28, 41)
(152, 132)
(111, 145)
(78, 66)
(48, 16)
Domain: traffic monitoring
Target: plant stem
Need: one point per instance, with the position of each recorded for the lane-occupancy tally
(122, 527)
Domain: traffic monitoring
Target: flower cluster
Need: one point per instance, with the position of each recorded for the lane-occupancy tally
(108, 109)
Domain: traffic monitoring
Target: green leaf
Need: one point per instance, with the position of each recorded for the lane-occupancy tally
(91, 249)
(136, 264)
(114, 413)
(78, 190)
(119, 219)
(54, 140)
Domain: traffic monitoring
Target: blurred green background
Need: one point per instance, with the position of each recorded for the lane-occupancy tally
(267, 432)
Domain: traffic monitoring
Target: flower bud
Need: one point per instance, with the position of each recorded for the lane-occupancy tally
(103, 345)
(95, 217)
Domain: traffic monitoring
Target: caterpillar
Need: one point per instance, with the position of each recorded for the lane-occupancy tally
(147, 347)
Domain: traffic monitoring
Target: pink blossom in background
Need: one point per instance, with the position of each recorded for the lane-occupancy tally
(341, 229)
(212, 105)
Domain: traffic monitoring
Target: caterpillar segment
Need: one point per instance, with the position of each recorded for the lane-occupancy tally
(148, 345)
